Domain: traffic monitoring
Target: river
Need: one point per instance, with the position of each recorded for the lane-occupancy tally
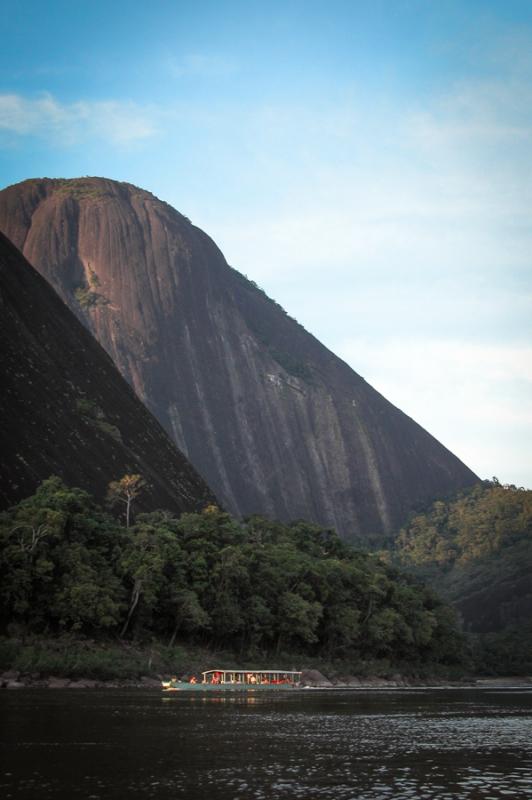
(323, 744)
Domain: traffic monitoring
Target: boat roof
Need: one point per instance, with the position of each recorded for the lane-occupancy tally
(255, 671)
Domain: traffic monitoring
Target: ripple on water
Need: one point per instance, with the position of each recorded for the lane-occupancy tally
(301, 748)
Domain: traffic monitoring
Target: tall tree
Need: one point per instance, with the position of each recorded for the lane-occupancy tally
(125, 491)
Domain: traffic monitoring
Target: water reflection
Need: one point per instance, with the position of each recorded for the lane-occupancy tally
(339, 745)
(235, 698)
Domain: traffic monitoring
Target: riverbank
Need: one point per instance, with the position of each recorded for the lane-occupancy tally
(11, 679)
(75, 663)
(78, 659)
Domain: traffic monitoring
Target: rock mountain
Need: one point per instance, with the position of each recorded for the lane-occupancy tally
(275, 422)
(66, 410)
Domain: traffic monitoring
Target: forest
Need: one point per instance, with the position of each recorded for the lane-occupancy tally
(255, 588)
(475, 549)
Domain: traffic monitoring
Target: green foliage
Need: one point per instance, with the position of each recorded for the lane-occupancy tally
(125, 491)
(291, 364)
(88, 298)
(476, 550)
(110, 429)
(88, 408)
(258, 587)
(73, 658)
(251, 286)
(58, 554)
(94, 414)
(93, 278)
(87, 295)
(260, 325)
(79, 189)
(478, 524)
(507, 652)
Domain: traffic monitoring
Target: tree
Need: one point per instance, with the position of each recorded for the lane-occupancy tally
(257, 587)
(298, 619)
(57, 561)
(150, 559)
(125, 491)
(189, 614)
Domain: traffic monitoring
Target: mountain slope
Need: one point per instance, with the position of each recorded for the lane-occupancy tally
(65, 408)
(272, 419)
(476, 551)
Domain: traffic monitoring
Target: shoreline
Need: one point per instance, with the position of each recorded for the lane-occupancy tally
(14, 680)
(70, 662)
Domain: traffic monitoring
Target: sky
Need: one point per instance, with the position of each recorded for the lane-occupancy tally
(367, 163)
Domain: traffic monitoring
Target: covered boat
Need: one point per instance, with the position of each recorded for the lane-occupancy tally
(236, 679)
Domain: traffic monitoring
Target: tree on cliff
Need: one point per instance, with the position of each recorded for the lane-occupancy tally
(125, 491)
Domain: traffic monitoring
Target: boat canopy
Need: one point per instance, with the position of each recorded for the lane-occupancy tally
(260, 676)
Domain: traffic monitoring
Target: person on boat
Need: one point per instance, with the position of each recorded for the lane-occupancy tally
(173, 681)
(193, 679)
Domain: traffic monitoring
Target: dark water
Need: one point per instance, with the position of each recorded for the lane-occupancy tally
(340, 745)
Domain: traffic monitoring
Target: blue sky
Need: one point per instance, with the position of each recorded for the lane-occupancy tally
(368, 163)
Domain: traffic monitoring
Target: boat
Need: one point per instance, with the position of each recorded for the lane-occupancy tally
(236, 680)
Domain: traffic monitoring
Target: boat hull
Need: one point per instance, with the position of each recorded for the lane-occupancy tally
(227, 687)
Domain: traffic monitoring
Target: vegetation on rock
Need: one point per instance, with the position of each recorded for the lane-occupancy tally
(87, 298)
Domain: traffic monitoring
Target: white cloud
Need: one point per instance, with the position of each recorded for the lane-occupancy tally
(24, 117)
(119, 123)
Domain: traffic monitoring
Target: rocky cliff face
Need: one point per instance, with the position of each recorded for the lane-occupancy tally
(66, 410)
(274, 422)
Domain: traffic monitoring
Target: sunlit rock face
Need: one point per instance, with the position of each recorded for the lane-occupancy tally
(275, 422)
(67, 411)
